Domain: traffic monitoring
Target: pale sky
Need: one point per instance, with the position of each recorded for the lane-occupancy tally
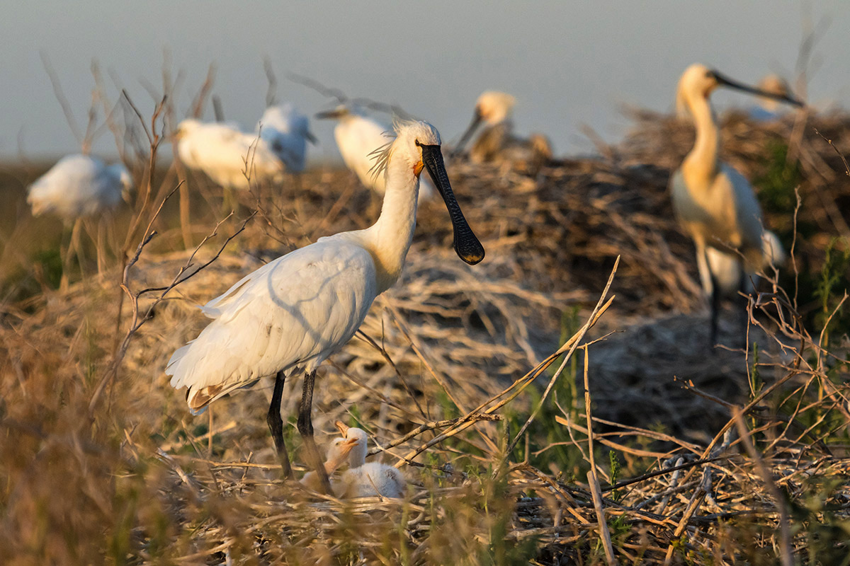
(568, 63)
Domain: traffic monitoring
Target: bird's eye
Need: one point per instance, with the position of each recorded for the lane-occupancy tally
(417, 143)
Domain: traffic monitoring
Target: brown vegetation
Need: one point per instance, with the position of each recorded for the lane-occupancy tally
(698, 454)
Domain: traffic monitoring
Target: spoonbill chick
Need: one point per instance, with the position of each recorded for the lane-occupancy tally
(714, 203)
(297, 310)
(358, 137)
(78, 186)
(337, 455)
(221, 151)
(286, 131)
(363, 479)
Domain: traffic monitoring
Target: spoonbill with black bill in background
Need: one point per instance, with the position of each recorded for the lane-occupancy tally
(714, 203)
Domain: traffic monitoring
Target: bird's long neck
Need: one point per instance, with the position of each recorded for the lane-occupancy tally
(357, 456)
(390, 237)
(702, 160)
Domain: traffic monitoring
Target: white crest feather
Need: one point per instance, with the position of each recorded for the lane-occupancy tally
(381, 156)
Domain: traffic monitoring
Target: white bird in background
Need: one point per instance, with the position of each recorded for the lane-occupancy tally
(358, 137)
(220, 150)
(287, 131)
(78, 186)
(362, 479)
(768, 108)
(297, 310)
(497, 141)
(495, 109)
(714, 203)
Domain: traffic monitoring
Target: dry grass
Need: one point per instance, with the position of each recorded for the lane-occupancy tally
(136, 479)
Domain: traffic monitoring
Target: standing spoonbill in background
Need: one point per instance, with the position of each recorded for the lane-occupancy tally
(294, 312)
(497, 141)
(79, 186)
(286, 131)
(714, 203)
(220, 151)
(357, 137)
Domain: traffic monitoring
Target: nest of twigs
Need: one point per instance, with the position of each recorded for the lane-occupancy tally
(470, 379)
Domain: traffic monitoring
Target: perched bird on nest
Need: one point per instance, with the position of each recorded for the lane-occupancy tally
(714, 203)
(294, 312)
(287, 131)
(497, 142)
(769, 108)
(226, 154)
(363, 479)
(358, 138)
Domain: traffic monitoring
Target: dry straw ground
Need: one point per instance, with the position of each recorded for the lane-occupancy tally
(471, 379)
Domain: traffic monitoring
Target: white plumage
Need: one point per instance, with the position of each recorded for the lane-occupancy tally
(299, 309)
(714, 203)
(358, 137)
(220, 150)
(363, 479)
(727, 271)
(497, 141)
(294, 311)
(287, 132)
(494, 109)
(78, 186)
(336, 456)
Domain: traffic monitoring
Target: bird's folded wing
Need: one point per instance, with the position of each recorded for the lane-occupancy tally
(293, 312)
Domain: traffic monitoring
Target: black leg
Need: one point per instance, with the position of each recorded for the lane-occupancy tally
(715, 309)
(743, 303)
(305, 428)
(276, 426)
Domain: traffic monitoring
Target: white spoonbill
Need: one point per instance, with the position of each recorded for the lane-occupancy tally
(220, 150)
(495, 109)
(287, 131)
(362, 479)
(358, 137)
(768, 108)
(297, 310)
(497, 142)
(79, 186)
(714, 203)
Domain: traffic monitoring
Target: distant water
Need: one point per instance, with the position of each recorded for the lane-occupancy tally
(568, 63)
